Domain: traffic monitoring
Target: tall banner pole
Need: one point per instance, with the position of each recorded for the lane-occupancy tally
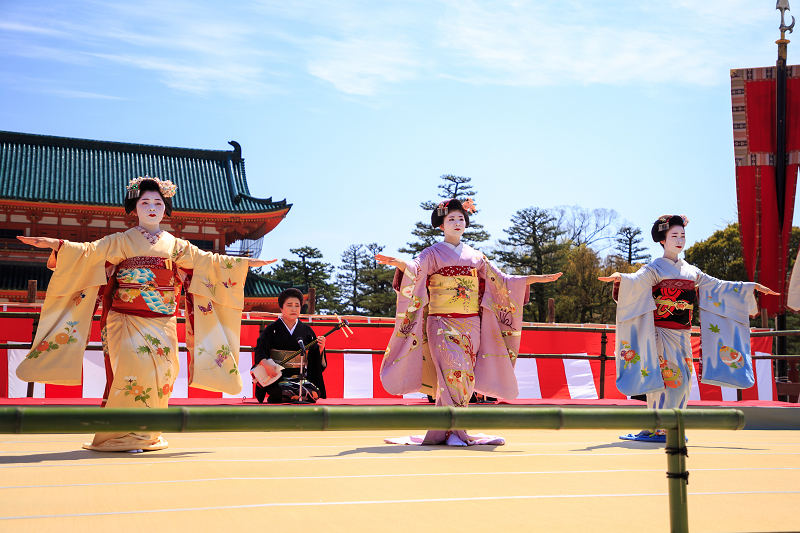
(780, 168)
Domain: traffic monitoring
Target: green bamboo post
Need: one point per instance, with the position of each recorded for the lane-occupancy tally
(677, 477)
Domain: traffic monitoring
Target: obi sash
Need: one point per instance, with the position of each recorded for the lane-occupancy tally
(147, 286)
(455, 292)
(675, 300)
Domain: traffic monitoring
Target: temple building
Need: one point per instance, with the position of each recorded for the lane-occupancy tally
(74, 189)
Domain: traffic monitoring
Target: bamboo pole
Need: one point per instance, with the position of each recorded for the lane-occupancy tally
(345, 418)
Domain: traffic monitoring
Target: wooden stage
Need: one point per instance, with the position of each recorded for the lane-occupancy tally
(569, 480)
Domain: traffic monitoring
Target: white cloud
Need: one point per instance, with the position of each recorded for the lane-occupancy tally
(360, 67)
(527, 44)
(361, 47)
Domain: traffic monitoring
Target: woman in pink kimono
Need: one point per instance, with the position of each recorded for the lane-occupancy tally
(138, 274)
(458, 324)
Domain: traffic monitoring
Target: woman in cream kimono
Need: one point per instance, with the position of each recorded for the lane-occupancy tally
(472, 318)
(654, 316)
(138, 275)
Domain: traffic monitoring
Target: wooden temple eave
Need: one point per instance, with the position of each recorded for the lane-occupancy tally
(234, 227)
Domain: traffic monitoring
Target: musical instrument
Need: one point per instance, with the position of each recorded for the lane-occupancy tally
(268, 371)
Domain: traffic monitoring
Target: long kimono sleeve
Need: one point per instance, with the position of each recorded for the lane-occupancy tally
(725, 308)
(215, 299)
(66, 317)
(403, 369)
(501, 332)
(636, 353)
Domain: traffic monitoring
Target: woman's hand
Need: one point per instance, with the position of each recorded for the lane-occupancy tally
(392, 261)
(321, 343)
(613, 277)
(259, 262)
(40, 242)
(765, 290)
(544, 278)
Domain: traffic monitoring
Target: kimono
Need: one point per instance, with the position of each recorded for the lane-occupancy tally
(276, 337)
(458, 329)
(139, 277)
(653, 343)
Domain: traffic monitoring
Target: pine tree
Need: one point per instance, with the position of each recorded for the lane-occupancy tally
(628, 239)
(453, 187)
(311, 272)
(349, 278)
(377, 295)
(533, 247)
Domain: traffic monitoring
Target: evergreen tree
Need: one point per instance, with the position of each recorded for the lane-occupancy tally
(453, 187)
(349, 278)
(628, 240)
(312, 272)
(377, 298)
(533, 247)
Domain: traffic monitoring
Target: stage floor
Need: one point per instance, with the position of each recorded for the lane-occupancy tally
(571, 480)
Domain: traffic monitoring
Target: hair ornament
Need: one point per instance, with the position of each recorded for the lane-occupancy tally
(441, 209)
(469, 205)
(167, 188)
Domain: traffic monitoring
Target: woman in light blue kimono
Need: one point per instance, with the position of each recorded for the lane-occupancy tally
(654, 315)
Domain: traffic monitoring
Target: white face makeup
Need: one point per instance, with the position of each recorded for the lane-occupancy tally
(150, 209)
(675, 241)
(454, 226)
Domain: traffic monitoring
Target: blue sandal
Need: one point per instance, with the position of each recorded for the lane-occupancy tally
(647, 436)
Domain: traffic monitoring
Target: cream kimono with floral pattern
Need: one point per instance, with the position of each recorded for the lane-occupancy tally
(141, 343)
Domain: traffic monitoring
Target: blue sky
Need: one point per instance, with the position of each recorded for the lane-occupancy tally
(351, 110)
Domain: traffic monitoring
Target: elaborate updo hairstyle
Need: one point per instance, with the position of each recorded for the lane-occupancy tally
(289, 293)
(144, 185)
(662, 225)
(441, 211)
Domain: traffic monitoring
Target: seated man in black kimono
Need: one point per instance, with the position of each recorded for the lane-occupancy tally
(279, 339)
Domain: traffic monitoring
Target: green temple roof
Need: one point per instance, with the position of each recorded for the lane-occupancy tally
(41, 168)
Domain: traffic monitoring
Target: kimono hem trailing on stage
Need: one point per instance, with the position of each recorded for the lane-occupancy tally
(653, 344)
(458, 329)
(139, 276)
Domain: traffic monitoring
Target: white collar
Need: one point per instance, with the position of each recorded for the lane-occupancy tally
(456, 249)
(291, 330)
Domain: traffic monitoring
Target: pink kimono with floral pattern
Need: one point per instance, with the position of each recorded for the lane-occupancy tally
(472, 314)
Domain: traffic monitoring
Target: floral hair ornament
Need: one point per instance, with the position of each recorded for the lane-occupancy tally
(166, 187)
(664, 221)
(469, 205)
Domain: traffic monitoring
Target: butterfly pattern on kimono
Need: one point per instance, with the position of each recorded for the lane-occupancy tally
(205, 310)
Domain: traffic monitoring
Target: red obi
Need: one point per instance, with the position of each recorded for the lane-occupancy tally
(675, 299)
(146, 286)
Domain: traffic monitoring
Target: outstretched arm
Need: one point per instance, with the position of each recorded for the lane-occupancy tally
(544, 278)
(259, 262)
(613, 277)
(393, 261)
(40, 242)
(766, 290)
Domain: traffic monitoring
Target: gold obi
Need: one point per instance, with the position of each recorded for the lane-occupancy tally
(453, 295)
